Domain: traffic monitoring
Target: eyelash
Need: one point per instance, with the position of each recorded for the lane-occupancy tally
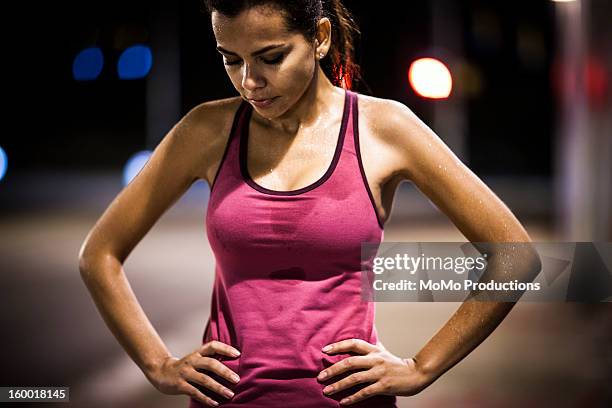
(274, 61)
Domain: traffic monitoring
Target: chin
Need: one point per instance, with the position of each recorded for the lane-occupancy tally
(273, 113)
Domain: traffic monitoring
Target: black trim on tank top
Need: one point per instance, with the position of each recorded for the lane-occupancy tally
(237, 115)
(244, 140)
(359, 160)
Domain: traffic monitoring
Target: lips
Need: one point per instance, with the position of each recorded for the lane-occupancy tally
(262, 103)
(259, 99)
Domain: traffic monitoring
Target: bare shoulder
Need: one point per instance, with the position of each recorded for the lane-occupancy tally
(422, 157)
(215, 109)
(181, 158)
(383, 128)
(208, 118)
(205, 129)
(386, 116)
(408, 141)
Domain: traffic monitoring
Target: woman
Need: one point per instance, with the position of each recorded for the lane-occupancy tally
(302, 171)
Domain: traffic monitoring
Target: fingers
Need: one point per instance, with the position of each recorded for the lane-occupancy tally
(216, 347)
(194, 376)
(348, 364)
(214, 367)
(364, 393)
(357, 345)
(197, 395)
(354, 379)
(210, 364)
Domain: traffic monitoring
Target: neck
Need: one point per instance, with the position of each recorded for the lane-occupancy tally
(318, 98)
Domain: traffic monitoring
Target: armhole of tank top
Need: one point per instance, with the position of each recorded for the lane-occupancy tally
(228, 143)
(355, 110)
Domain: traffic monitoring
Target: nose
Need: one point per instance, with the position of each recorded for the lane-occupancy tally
(250, 79)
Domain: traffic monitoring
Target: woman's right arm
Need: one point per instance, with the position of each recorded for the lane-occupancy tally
(180, 159)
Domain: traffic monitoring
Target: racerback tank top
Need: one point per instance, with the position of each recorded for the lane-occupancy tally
(288, 274)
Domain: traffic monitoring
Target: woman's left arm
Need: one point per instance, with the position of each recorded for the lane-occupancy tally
(424, 159)
(478, 213)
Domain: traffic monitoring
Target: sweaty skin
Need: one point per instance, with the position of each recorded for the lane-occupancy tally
(292, 146)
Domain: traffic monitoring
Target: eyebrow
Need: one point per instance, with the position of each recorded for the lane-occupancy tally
(254, 54)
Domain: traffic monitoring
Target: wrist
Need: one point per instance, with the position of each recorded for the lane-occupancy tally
(424, 374)
(152, 367)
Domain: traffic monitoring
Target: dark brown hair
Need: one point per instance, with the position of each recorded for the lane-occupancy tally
(302, 16)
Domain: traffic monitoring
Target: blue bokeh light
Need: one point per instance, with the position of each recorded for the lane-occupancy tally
(88, 64)
(3, 163)
(135, 62)
(134, 165)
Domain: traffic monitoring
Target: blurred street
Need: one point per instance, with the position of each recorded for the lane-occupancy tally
(560, 354)
(519, 92)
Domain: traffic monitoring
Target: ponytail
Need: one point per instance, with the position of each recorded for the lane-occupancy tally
(340, 65)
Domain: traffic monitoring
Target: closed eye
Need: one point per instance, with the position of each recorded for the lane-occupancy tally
(275, 60)
(272, 61)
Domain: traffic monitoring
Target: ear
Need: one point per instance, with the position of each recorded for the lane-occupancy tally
(323, 37)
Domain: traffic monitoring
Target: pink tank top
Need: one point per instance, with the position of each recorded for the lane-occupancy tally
(288, 274)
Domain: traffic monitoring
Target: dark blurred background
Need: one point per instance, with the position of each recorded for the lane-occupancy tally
(529, 105)
(529, 112)
(513, 75)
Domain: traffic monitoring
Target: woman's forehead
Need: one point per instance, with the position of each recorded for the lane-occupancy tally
(259, 23)
(240, 34)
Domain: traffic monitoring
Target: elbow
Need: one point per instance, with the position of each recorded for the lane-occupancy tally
(84, 267)
(85, 262)
(84, 256)
(88, 259)
(526, 260)
(95, 262)
(521, 256)
(534, 261)
(81, 257)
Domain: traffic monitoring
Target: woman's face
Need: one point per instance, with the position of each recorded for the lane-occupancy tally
(263, 60)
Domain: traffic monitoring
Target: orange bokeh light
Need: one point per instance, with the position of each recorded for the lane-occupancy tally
(430, 78)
